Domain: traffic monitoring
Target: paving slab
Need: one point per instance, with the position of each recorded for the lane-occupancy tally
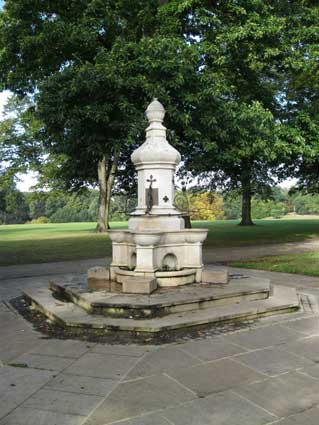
(62, 348)
(273, 361)
(17, 337)
(62, 402)
(123, 350)
(220, 409)
(30, 416)
(211, 348)
(161, 360)
(312, 371)
(307, 347)
(38, 361)
(49, 269)
(151, 419)
(147, 420)
(264, 336)
(81, 384)
(12, 347)
(102, 366)
(309, 417)
(17, 384)
(309, 326)
(215, 377)
(138, 397)
(284, 395)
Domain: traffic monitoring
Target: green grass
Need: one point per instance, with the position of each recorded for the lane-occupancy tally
(303, 263)
(228, 233)
(30, 243)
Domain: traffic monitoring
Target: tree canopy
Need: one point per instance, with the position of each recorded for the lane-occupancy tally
(238, 79)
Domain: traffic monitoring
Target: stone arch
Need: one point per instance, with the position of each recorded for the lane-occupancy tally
(169, 262)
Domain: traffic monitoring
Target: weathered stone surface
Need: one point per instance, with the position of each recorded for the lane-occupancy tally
(16, 337)
(211, 348)
(71, 315)
(309, 417)
(14, 346)
(98, 278)
(162, 360)
(307, 347)
(29, 416)
(272, 361)
(81, 384)
(138, 285)
(102, 366)
(312, 371)
(308, 326)
(149, 419)
(62, 348)
(138, 397)
(99, 284)
(63, 402)
(17, 384)
(215, 377)
(215, 276)
(284, 395)
(37, 361)
(220, 409)
(130, 350)
(99, 273)
(264, 336)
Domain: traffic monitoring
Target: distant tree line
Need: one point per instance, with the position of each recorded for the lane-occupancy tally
(43, 207)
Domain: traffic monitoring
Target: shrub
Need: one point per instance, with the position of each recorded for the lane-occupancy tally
(39, 220)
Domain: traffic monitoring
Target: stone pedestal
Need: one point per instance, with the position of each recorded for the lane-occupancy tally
(156, 247)
(99, 278)
(138, 285)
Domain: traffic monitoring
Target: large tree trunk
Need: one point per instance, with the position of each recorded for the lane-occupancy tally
(109, 186)
(246, 219)
(103, 177)
(106, 176)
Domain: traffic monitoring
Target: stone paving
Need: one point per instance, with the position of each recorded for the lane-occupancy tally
(267, 374)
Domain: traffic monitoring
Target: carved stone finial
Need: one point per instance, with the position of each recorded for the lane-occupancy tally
(155, 111)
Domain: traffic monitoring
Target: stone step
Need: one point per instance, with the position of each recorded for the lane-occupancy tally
(69, 315)
(166, 301)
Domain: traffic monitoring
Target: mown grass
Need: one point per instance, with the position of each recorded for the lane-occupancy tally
(228, 233)
(303, 263)
(30, 243)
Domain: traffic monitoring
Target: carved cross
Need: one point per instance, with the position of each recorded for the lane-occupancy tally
(151, 180)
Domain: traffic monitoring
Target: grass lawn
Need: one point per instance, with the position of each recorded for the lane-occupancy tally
(304, 263)
(41, 243)
(31, 243)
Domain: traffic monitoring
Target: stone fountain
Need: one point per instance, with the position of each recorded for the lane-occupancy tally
(156, 250)
(156, 282)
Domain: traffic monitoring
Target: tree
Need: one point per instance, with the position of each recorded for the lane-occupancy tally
(301, 91)
(13, 206)
(206, 206)
(243, 136)
(107, 60)
(20, 148)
